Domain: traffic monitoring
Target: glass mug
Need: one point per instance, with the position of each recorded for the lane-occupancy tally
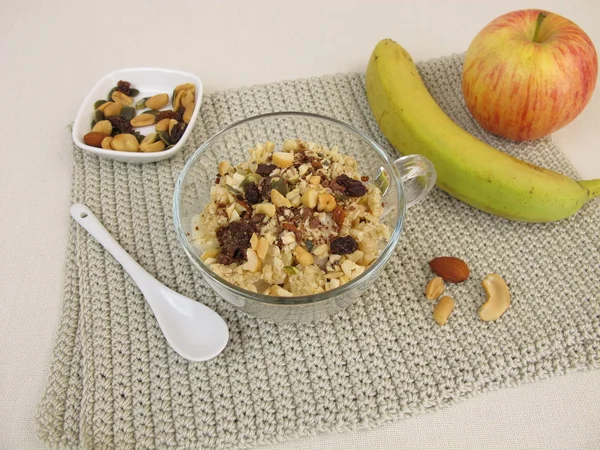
(409, 179)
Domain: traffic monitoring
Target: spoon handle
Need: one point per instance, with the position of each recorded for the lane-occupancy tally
(86, 218)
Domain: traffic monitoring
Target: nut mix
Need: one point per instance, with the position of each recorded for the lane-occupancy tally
(115, 119)
(295, 221)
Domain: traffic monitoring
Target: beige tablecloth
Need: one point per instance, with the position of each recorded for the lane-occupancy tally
(53, 53)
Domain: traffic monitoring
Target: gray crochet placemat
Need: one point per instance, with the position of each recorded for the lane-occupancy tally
(116, 384)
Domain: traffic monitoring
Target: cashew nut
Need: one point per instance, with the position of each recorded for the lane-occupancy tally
(498, 297)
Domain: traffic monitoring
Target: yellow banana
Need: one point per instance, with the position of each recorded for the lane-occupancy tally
(467, 168)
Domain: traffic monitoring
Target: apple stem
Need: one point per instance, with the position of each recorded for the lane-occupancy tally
(538, 24)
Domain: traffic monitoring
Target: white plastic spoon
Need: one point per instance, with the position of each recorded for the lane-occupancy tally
(194, 331)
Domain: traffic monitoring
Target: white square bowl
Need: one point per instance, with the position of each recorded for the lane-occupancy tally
(149, 81)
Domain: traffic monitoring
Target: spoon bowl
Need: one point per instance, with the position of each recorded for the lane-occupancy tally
(192, 329)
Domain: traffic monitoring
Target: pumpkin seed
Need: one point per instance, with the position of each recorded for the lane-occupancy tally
(110, 93)
(154, 112)
(169, 146)
(134, 92)
(139, 136)
(290, 270)
(279, 184)
(250, 178)
(98, 116)
(93, 123)
(127, 112)
(98, 103)
(164, 136)
(141, 104)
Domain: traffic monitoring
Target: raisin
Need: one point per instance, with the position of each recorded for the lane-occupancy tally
(121, 124)
(224, 259)
(168, 114)
(252, 193)
(354, 188)
(343, 245)
(265, 169)
(124, 86)
(218, 180)
(316, 164)
(235, 239)
(336, 187)
(176, 132)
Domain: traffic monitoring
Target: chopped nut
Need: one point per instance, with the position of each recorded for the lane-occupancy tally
(283, 159)
(269, 146)
(210, 253)
(288, 237)
(347, 267)
(267, 209)
(280, 292)
(254, 241)
(326, 202)
(253, 264)
(315, 179)
(273, 251)
(310, 198)
(279, 200)
(332, 284)
(356, 256)
(262, 248)
(302, 256)
(224, 167)
(320, 250)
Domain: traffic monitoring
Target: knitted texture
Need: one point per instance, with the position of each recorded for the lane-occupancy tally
(116, 383)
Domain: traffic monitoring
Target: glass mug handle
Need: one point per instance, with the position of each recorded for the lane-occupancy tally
(417, 175)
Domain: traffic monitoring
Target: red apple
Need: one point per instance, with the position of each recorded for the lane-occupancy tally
(529, 73)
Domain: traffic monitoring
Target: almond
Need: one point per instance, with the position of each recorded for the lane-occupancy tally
(94, 138)
(451, 269)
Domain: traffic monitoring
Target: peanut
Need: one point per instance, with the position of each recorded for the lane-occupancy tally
(106, 143)
(163, 125)
(434, 288)
(119, 97)
(443, 309)
(143, 120)
(189, 112)
(104, 126)
(114, 109)
(157, 101)
(125, 143)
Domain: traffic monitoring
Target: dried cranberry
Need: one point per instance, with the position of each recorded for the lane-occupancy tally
(235, 239)
(252, 193)
(354, 188)
(121, 124)
(343, 245)
(265, 169)
(124, 86)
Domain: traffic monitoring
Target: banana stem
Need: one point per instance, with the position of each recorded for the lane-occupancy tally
(592, 186)
(538, 24)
